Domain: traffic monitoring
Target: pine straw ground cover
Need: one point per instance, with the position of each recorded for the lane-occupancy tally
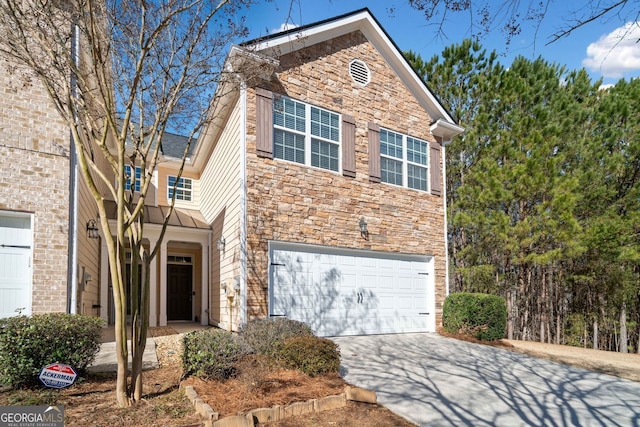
(91, 401)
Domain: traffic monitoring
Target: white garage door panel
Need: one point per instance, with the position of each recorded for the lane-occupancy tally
(15, 265)
(351, 292)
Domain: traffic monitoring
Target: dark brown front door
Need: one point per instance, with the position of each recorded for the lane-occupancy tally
(179, 288)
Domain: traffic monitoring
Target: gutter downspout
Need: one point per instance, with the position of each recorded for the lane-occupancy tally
(72, 258)
(210, 276)
(242, 315)
(446, 219)
(445, 131)
(72, 278)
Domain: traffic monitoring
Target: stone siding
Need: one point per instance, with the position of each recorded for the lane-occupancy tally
(295, 203)
(34, 177)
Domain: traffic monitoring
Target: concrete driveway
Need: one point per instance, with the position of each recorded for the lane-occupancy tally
(437, 381)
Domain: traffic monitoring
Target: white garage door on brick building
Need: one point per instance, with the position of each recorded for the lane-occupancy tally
(351, 292)
(15, 264)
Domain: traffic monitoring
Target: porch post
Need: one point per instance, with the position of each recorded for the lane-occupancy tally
(163, 283)
(204, 300)
(104, 280)
(153, 290)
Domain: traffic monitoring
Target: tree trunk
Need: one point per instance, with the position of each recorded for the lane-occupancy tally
(595, 334)
(122, 394)
(116, 257)
(509, 315)
(623, 329)
(540, 309)
(139, 330)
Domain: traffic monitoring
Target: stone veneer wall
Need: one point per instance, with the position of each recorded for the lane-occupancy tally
(34, 177)
(295, 203)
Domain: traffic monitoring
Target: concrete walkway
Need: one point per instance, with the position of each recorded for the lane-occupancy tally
(106, 360)
(437, 381)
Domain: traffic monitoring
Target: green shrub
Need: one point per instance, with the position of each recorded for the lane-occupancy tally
(311, 355)
(211, 353)
(264, 334)
(481, 316)
(27, 344)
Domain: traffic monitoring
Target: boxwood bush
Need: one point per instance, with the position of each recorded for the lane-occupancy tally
(311, 355)
(27, 344)
(212, 353)
(264, 334)
(481, 316)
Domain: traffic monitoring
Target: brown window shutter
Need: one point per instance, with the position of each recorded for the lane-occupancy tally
(374, 152)
(264, 123)
(348, 146)
(436, 168)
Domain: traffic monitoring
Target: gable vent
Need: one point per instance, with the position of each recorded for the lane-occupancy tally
(359, 72)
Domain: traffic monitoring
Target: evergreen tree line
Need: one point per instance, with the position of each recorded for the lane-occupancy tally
(543, 194)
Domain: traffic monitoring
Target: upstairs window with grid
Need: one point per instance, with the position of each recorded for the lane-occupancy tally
(306, 134)
(137, 179)
(404, 160)
(183, 188)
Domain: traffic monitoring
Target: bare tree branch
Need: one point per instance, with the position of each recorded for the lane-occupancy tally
(510, 16)
(121, 74)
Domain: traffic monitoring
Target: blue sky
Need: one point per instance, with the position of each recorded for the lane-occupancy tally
(599, 47)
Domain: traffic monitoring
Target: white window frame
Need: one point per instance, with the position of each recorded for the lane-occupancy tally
(405, 162)
(308, 136)
(136, 179)
(180, 188)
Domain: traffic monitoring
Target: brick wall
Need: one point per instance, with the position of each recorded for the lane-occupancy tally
(34, 177)
(291, 202)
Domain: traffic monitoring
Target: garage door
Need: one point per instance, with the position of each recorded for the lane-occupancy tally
(351, 292)
(15, 264)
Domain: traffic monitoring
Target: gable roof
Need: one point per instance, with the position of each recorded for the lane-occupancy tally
(360, 20)
(173, 145)
(266, 50)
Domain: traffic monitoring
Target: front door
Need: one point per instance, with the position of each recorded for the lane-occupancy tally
(179, 292)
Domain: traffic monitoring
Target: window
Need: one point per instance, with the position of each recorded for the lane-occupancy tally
(403, 160)
(306, 134)
(178, 259)
(183, 187)
(137, 179)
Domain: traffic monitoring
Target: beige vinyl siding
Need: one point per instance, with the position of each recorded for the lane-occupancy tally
(88, 294)
(220, 206)
(166, 170)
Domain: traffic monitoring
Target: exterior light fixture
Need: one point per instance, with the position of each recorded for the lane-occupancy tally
(92, 229)
(220, 244)
(363, 229)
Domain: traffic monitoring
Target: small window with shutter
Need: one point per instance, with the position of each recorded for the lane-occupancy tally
(404, 160)
(306, 134)
(298, 132)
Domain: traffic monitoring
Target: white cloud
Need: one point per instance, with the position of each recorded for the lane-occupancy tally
(615, 53)
(284, 27)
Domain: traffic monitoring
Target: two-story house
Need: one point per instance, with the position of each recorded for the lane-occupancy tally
(316, 193)
(322, 181)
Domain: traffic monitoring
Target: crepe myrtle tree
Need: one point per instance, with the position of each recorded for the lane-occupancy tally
(120, 74)
(510, 17)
